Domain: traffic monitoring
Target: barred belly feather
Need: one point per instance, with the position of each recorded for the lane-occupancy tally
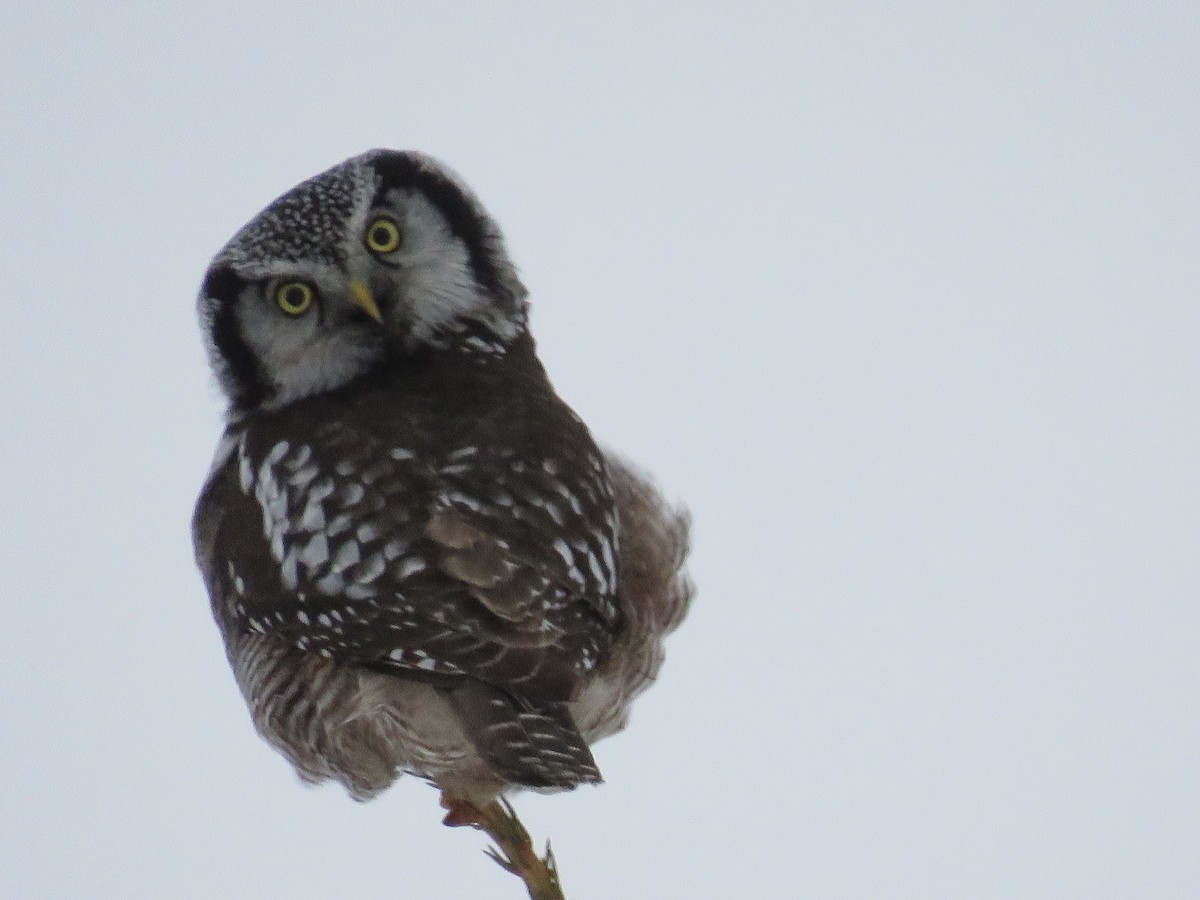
(359, 728)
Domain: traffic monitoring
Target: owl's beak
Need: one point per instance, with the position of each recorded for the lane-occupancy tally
(364, 298)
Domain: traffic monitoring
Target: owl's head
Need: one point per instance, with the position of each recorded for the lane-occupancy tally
(381, 257)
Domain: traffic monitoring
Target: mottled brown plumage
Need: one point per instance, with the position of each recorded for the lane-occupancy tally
(419, 559)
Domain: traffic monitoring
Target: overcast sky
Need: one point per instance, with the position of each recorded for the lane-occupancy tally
(904, 305)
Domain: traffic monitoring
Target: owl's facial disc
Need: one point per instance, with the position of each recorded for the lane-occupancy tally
(309, 329)
(383, 256)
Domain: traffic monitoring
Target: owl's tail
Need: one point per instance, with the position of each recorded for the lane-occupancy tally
(533, 744)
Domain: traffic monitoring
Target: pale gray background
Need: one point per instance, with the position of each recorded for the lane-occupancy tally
(903, 303)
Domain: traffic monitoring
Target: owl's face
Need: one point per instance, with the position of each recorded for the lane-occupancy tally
(379, 257)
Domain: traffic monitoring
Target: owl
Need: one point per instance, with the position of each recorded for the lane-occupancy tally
(418, 557)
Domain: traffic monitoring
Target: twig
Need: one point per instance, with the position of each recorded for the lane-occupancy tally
(514, 848)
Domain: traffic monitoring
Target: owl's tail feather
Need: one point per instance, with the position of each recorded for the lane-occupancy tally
(535, 745)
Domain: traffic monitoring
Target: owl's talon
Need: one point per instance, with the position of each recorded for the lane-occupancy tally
(460, 813)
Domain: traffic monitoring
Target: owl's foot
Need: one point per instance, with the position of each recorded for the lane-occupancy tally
(514, 848)
(461, 812)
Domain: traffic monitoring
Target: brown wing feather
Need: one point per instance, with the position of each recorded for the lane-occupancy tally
(370, 551)
(480, 555)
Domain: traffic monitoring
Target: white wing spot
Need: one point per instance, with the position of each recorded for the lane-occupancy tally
(277, 545)
(597, 572)
(313, 518)
(457, 497)
(609, 563)
(277, 507)
(565, 492)
(302, 455)
(371, 569)
(316, 553)
(338, 525)
(410, 566)
(564, 551)
(347, 555)
(319, 491)
(552, 511)
(303, 476)
(245, 473)
(331, 584)
(278, 452)
(288, 571)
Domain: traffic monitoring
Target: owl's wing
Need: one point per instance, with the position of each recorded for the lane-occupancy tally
(466, 564)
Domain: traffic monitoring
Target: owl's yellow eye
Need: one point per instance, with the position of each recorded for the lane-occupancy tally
(383, 235)
(294, 297)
